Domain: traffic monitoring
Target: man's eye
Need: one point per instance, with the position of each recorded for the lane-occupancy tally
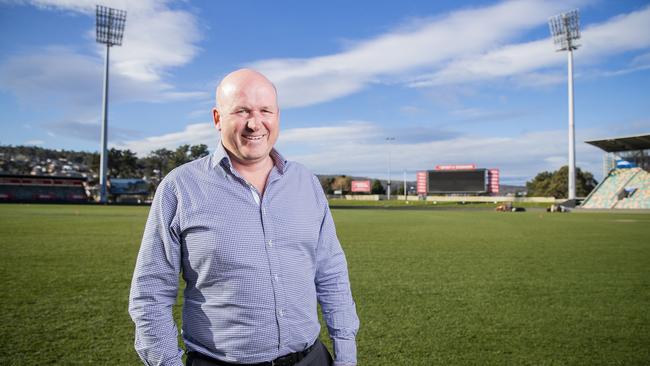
(242, 111)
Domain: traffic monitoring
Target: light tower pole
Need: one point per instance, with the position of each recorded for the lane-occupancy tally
(110, 29)
(405, 191)
(388, 140)
(565, 29)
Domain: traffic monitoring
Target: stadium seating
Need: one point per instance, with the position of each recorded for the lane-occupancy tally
(638, 189)
(23, 188)
(621, 189)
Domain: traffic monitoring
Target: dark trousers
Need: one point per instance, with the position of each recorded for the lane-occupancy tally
(319, 356)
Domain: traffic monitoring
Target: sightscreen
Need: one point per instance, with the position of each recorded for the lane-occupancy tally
(457, 181)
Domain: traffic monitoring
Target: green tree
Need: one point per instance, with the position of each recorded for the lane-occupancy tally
(92, 162)
(326, 183)
(158, 162)
(199, 151)
(400, 189)
(343, 183)
(122, 164)
(377, 187)
(555, 184)
(180, 156)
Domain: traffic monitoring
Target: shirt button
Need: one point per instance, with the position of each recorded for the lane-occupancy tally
(281, 312)
(276, 278)
(270, 242)
(263, 211)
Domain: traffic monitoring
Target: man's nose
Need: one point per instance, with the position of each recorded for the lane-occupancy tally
(254, 122)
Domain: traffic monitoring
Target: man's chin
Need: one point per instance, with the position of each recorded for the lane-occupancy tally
(254, 157)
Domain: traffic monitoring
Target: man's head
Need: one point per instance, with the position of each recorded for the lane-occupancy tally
(247, 115)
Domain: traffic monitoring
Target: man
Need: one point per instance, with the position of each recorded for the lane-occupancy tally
(253, 238)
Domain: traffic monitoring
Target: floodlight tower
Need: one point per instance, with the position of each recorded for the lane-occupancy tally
(110, 29)
(565, 29)
(388, 140)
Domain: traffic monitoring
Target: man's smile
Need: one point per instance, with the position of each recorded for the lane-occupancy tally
(253, 138)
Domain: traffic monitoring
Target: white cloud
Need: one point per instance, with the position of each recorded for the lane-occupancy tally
(193, 134)
(506, 61)
(358, 148)
(478, 114)
(427, 44)
(38, 78)
(519, 157)
(62, 77)
(34, 142)
(619, 34)
(641, 60)
(156, 39)
(349, 132)
(464, 46)
(88, 130)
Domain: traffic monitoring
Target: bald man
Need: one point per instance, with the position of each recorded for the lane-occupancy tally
(252, 236)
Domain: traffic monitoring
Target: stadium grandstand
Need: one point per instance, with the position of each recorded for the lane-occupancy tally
(626, 168)
(42, 188)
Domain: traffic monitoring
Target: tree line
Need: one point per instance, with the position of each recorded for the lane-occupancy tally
(545, 184)
(155, 165)
(554, 184)
(343, 183)
(121, 163)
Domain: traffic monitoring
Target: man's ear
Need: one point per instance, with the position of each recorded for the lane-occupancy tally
(217, 118)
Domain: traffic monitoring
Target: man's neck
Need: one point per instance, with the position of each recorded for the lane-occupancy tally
(255, 173)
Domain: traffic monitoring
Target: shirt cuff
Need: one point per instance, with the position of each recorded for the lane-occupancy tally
(345, 352)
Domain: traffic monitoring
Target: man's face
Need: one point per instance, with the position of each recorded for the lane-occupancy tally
(248, 118)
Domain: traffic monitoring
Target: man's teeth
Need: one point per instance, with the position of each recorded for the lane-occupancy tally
(253, 137)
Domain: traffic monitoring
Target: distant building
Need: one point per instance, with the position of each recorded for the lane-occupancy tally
(42, 188)
(131, 190)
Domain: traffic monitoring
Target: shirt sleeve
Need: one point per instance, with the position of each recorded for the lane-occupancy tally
(333, 291)
(155, 283)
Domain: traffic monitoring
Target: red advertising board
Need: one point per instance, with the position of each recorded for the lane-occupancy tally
(493, 180)
(360, 186)
(421, 182)
(456, 167)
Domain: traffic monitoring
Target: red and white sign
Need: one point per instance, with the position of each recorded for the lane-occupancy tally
(493, 180)
(360, 186)
(421, 182)
(456, 167)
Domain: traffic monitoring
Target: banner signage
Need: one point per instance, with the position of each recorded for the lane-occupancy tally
(456, 167)
(360, 186)
(421, 182)
(493, 180)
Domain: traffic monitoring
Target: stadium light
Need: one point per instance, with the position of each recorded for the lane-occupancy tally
(388, 140)
(565, 29)
(110, 29)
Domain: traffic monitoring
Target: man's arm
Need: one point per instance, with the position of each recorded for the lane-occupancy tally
(333, 291)
(155, 283)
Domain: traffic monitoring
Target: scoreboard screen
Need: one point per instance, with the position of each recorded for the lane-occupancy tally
(457, 181)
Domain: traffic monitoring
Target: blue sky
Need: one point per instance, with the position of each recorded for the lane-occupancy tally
(454, 82)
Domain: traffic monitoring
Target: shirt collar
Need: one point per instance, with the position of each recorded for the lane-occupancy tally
(221, 157)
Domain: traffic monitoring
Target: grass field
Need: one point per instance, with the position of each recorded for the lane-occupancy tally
(398, 204)
(433, 287)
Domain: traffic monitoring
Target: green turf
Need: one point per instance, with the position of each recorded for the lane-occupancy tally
(343, 203)
(432, 287)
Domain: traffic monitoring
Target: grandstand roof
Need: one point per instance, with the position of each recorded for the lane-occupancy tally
(615, 144)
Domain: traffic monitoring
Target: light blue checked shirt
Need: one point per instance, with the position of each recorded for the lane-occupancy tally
(254, 267)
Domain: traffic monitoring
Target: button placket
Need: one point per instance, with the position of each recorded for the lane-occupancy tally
(272, 249)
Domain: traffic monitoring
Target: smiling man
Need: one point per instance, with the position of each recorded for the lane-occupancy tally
(253, 238)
